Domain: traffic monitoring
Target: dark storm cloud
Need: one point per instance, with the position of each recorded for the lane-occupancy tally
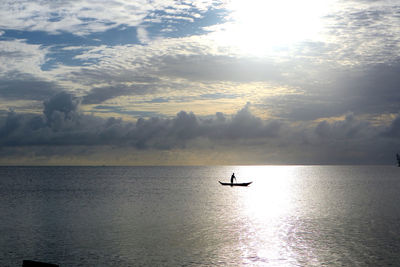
(17, 86)
(370, 90)
(347, 129)
(380, 88)
(354, 141)
(245, 125)
(61, 109)
(393, 130)
(62, 124)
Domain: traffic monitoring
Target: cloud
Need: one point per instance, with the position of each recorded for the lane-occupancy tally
(60, 108)
(85, 17)
(315, 87)
(100, 94)
(371, 91)
(176, 66)
(20, 86)
(18, 56)
(219, 68)
(21, 77)
(364, 32)
(347, 129)
(393, 131)
(348, 140)
(63, 123)
(354, 70)
(143, 35)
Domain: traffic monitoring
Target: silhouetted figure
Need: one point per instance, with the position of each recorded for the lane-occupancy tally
(233, 177)
(398, 160)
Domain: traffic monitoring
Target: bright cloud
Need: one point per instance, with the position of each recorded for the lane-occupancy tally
(18, 56)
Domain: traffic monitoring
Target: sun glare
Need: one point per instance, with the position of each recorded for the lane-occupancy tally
(272, 196)
(256, 27)
(267, 204)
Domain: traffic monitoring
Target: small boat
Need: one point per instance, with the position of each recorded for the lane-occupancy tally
(235, 184)
(29, 263)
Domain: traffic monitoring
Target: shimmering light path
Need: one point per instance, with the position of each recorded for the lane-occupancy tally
(124, 216)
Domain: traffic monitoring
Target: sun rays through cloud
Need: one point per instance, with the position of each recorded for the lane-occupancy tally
(258, 27)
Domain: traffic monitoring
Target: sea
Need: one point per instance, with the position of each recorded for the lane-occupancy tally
(182, 216)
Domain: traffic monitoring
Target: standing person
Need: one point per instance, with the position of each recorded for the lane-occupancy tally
(233, 177)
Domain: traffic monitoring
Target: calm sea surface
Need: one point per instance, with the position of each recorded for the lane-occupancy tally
(181, 216)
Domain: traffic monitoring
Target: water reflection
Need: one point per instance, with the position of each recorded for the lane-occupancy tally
(181, 216)
(271, 193)
(269, 208)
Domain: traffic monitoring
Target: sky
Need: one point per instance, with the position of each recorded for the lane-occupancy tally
(207, 82)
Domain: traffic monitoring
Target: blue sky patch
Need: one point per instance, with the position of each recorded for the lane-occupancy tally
(183, 26)
(180, 26)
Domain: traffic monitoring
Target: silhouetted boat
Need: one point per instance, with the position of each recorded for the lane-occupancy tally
(29, 263)
(235, 184)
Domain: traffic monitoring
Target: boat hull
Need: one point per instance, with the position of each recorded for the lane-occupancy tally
(235, 184)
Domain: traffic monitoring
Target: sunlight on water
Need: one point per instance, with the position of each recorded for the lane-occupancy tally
(266, 207)
(270, 192)
(182, 216)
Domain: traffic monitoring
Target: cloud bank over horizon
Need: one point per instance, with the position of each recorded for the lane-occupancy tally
(62, 124)
(170, 82)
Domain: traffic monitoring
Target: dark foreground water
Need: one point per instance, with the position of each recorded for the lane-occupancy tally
(181, 216)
